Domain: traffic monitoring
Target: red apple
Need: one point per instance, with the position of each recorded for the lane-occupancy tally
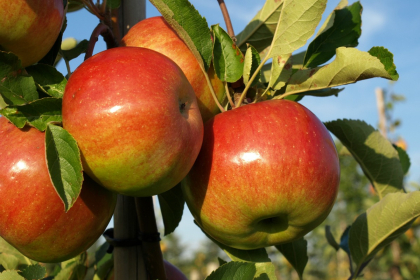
(29, 28)
(267, 174)
(32, 216)
(135, 118)
(156, 34)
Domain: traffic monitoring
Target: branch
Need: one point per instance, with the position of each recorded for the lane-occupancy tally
(226, 17)
(149, 236)
(105, 31)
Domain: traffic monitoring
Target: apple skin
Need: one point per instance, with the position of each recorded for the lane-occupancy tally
(32, 216)
(29, 28)
(135, 118)
(156, 34)
(267, 173)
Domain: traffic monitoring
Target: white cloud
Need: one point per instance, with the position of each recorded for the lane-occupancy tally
(373, 20)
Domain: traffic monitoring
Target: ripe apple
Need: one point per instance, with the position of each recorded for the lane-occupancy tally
(32, 216)
(135, 118)
(267, 174)
(29, 28)
(156, 34)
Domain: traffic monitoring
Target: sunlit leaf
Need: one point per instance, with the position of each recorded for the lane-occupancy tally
(48, 79)
(10, 275)
(190, 26)
(404, 159)
(260, 30)
(343, 32)
(281, 70)
(227, 57)
(234, 271)
(381, 224)
(16, 86)
(251, 63)
(350, 65)
(38, 113)
(375, 154)
(64, 164)
(297, 23)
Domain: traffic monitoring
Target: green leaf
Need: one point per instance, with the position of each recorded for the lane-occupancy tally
(16, 86)
(221, 261)
(265, 271)
(404, 159)
(3, 104)
(281, 70)
(38, 113)
(296, 253)
(73, 269)
(227, 57)
(234, 271)
(9, 261)
(74, 5)
(260, 30)
(344, 241)
(330, 238)
(387, 59)
(104, 262)
(343, 32)
(190, 26)
(64, 164)
(375, 154)
(8, 254)
(10, 275)
(256, 255)
(251, 63)
(381, 224)
(329, 22)
(48, 79)
(172, 207)
(34, 271)
(297, 23)
(113, 4)
(75, 52)
(349, 66)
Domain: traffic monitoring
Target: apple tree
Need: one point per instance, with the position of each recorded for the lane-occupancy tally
(196, 115)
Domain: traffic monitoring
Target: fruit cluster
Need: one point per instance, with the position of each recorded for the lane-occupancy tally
(255, 176)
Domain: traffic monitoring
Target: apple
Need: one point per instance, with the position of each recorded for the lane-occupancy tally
(172, 272)
(32, 216)
(29, 28)
(135, 118)
(156, 34)
(267, 174)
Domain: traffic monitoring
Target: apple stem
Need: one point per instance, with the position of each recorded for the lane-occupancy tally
(90, 6)
(105, 31)
(228, 95)
(226, 17)
(149, 236)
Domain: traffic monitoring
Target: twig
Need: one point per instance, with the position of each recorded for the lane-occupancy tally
(381, 111)
(105, 31)
(150, 238)
(226, 17)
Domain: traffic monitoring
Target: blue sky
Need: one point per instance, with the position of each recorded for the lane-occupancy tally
(386, 23)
